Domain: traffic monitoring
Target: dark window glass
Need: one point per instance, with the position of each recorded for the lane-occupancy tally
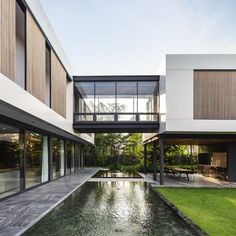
(77, 156)
(68, 157)
(9, 160)
(57, 158)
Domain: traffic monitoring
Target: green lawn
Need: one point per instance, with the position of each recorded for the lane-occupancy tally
(214, 210)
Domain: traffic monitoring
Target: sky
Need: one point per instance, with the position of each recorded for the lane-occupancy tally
(123, 37)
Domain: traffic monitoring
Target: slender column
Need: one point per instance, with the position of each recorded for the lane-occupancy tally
(50, 161)
(162, 154)
(191, 155)
(154, 160)
(145, 159)
(22, 159)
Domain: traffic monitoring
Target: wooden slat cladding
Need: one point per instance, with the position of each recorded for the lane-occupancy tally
(36, 59)
(8, 39)
(58, 86)
(214, 95)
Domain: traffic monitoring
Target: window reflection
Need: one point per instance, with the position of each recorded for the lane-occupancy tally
(36, 148)
(116, 97)
(127, 97)
(77, 156)
(69, 157)
(9, 160)
(105, 97)
(57, 157)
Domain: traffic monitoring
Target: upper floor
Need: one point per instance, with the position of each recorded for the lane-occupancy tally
(197, 94)
(116, 103)
(35, 75)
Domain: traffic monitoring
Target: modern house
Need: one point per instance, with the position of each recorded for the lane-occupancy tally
(197, 107)
(47, 115)
(37, 140)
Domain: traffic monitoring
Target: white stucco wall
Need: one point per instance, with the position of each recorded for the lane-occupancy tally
(179, 92)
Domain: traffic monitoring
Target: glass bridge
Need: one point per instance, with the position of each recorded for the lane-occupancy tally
(116, 104)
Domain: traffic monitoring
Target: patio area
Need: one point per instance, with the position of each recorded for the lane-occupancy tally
(195, 180)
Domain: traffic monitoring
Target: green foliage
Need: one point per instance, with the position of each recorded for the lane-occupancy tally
(113, 149)
(214, 210)
(117, 151)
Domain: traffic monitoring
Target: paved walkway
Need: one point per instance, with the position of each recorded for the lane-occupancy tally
(196, 180)
(22, 211)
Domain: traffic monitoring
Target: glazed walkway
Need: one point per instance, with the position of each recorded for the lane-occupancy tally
(22, 211)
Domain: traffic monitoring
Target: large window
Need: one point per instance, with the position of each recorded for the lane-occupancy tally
(69, 157)
(36, 152)
(105, 100)
(131, 100)
(79, 156)
(9, 160)
(127, 100)
(147, 100)
(58, 167)
(24, 158)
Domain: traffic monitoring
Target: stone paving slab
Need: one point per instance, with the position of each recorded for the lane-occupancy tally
(20, 212)
(196, 181)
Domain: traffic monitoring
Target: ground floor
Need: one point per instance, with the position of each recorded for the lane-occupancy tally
(215, 155)
(30, 157)
(88, 205)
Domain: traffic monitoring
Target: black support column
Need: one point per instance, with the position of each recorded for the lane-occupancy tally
(162, 154)
(145, 159)
(154, 160)
(22, 159)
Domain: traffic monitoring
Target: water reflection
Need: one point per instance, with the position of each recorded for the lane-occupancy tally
(116, 174)
(112, 208)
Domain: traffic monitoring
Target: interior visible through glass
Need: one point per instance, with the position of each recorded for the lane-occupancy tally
(130, 98)
(9, 160)
(36, 152)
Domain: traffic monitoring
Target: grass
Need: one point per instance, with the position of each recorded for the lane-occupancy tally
(214, 210)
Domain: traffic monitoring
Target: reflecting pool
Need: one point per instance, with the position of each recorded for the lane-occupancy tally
(112, 208)
(116, 174)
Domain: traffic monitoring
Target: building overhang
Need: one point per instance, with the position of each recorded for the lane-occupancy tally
(194, 138)
(116, 127)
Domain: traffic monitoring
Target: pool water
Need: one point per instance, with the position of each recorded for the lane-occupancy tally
(116, 174)
(112, 208)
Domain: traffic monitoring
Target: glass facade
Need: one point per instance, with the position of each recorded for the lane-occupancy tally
(27, 158)
(77, 156)
(70, 157)
(58, 160)
(9, 160)
(116, 101)
(36, 152)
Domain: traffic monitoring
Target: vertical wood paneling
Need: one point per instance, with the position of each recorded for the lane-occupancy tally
(58, 86)
(36, 59)
(214, 95)
(8, 39)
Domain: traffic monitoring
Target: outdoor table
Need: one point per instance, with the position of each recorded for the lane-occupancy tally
(180, 171)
